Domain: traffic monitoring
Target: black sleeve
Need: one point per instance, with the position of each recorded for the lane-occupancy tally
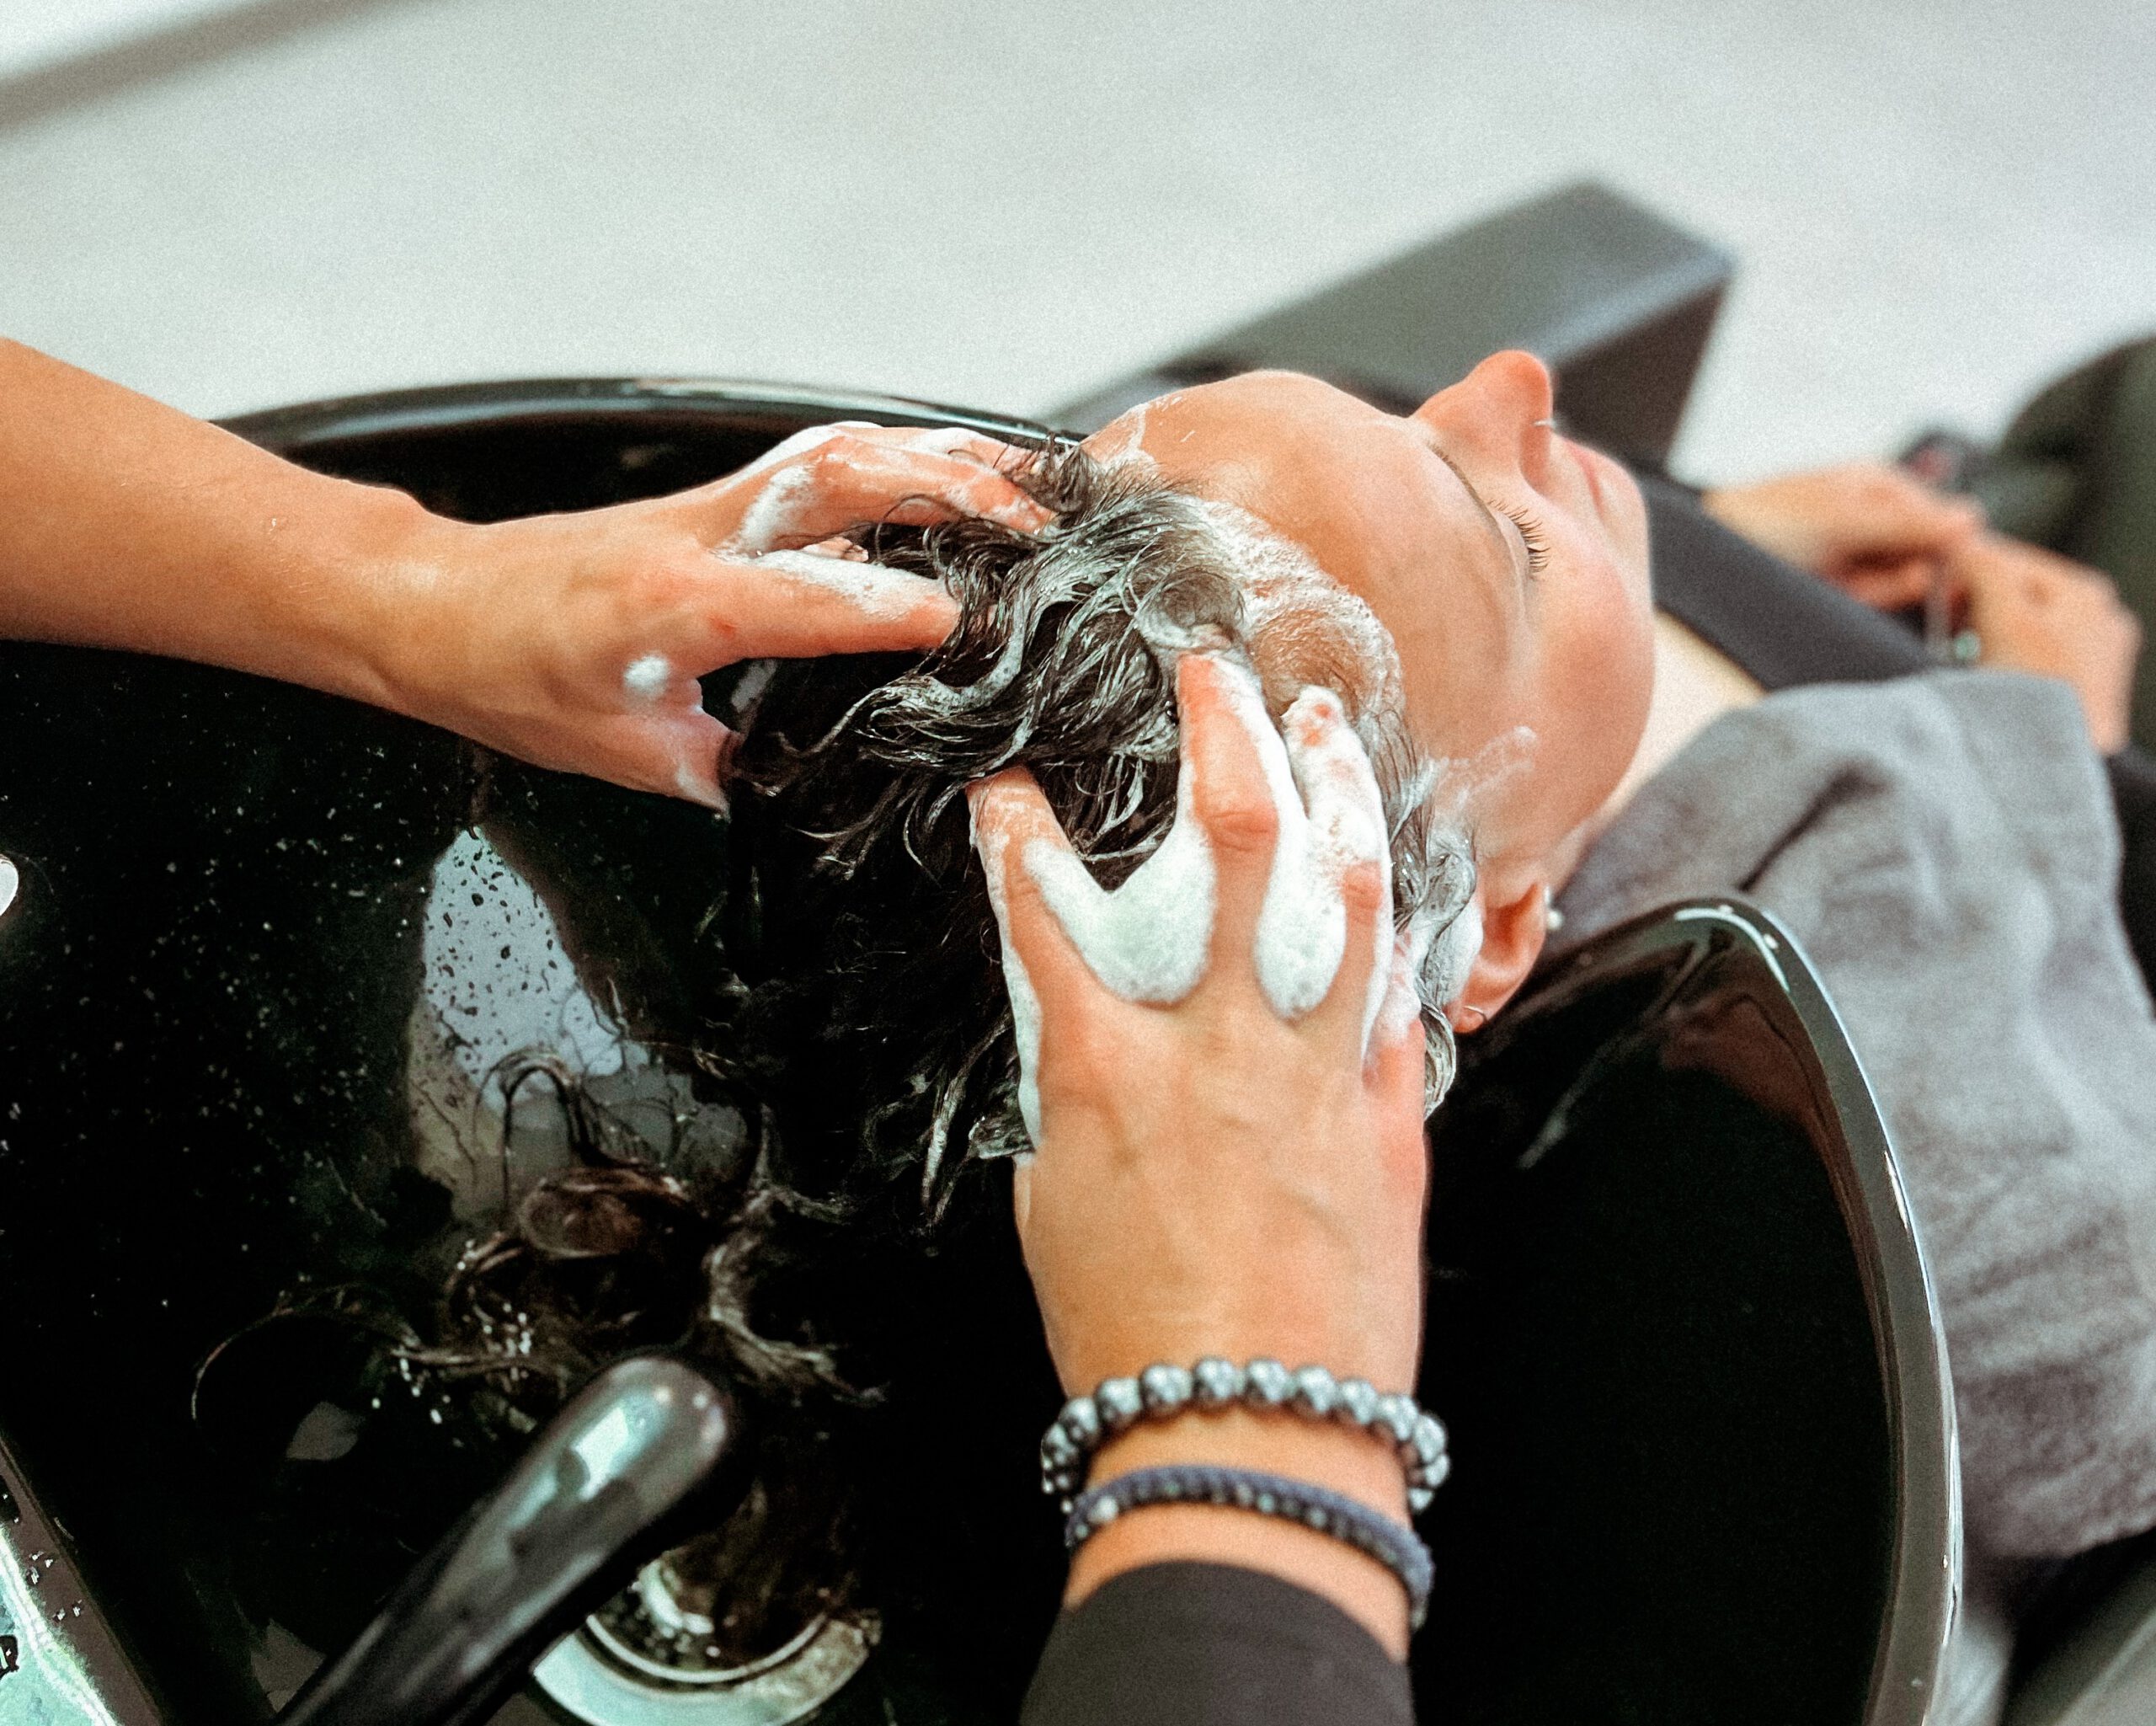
(1208, 1645)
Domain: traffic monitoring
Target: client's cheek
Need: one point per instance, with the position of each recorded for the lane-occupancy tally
(1599, 638)
(1634, 632)
(1607, 700)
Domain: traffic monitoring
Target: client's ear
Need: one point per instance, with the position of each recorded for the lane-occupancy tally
(1513, 929)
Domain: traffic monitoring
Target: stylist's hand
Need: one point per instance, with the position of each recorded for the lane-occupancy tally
(1872, 529)
(1212, 1178)
(575, 641)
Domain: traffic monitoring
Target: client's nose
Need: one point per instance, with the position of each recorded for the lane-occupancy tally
(1503, 405)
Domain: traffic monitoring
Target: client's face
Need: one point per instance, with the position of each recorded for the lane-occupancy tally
(1508, 565)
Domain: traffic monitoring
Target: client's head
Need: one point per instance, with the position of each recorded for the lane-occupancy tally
(1063, 661)
(1509, 565)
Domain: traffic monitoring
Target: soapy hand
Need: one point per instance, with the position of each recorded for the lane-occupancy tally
(1213, 1176)
(1229, 1155)
(575, 641)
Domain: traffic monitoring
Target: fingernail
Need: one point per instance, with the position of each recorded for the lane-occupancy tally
(977, 793)
(698, 788)
(1323, 706)
(989, 784)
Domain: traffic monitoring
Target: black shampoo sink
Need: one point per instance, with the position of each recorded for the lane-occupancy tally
(292, 996)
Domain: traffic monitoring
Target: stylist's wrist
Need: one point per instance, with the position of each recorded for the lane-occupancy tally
(1344, 1460)
(350, 579)
(417, 631)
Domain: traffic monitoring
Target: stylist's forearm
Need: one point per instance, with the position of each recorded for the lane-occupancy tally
(130, 524)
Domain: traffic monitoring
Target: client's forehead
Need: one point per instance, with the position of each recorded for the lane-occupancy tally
(1279, 444)
(1362, 493)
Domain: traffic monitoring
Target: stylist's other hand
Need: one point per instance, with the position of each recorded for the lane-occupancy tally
(1871, 529)
(575, 641)
(1212, 1177)
(2035, 610)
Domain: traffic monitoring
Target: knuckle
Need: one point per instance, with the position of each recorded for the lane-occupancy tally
(1085, 1046)
(1361, 890)
(1238, 824)
(660, 589)
(841, 455)
(960, 486)
(1023, 902)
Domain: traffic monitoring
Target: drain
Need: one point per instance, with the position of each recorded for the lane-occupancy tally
(645, 1660)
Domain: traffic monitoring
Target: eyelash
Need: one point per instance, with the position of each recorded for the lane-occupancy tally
(1530, 534)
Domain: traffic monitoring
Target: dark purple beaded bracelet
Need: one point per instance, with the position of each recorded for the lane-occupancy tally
(1392, 1544)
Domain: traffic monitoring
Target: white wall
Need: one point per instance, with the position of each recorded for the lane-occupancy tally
(1935, 203)
(37, 34)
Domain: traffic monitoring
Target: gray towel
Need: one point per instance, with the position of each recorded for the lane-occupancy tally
(1944, 849)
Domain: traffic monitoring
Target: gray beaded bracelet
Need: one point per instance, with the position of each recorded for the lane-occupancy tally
(1161, 1393)
(1314, 1507)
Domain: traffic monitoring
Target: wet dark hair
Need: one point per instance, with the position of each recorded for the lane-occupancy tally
(850, 1016)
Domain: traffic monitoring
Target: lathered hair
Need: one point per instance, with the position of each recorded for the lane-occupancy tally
(1063, 662)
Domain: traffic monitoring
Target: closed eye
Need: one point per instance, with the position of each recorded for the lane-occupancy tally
(1529, 525)
(1533, 537)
